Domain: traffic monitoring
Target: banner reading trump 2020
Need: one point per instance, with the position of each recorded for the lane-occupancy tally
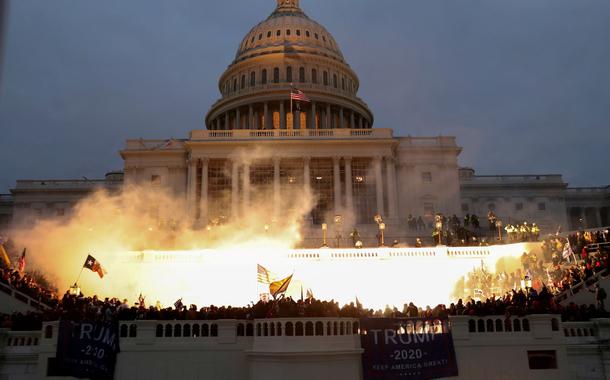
(87, 349)
(407, 349)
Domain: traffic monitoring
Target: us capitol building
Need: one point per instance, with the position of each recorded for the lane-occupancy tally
(258, 146)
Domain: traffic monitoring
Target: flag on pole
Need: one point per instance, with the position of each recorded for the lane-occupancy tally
(567, 250)
(279, 287)
(298, 95)
(178, 304)
(264, 276)
(95, 266)
(309, 295)
(21, 262)
(4, 256)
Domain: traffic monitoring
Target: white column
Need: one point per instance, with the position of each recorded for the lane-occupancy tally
(246, 192)
(337, 184)
(234, 190)
(306, 174)
(192, 188)
(205, 162)
(349, 195)
(392, 195)
(276, 186)
(378, 184)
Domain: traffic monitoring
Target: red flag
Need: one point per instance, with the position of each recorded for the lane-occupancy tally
(21, 262)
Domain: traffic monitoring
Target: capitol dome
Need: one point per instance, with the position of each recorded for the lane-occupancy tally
(286, 50)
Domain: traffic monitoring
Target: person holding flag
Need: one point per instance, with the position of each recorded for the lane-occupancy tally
(280, 287)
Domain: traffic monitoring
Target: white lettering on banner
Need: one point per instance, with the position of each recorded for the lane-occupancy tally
(390, 336)
(86, 329)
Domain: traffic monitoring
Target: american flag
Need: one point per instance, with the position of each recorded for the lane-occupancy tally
(263, 275)
(298, 95)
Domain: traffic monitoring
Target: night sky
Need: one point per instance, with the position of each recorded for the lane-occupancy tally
(523, 84)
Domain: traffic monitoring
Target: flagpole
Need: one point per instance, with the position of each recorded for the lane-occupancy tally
(78, 278)
(291, 114)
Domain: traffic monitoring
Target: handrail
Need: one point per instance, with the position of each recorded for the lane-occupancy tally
(22, 296)
(578, 287)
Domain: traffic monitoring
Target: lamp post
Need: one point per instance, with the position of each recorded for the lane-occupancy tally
(324, 228)
(499, 225)
(381, 231)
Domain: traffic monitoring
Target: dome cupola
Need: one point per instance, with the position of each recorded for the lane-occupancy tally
(288, 49)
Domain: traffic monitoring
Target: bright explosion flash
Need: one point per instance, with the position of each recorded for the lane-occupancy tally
(218, 265)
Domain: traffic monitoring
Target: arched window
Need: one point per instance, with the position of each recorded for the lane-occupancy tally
(278, 33)
(196, 330)
(279, 329)
(264, 76)
(309, 329)
(302, 75)
(234, 84)
(159, 331)
(343, 84)
(490, 325)
(260, 36)
(276, 75)
(325, 78)
(480, 326)
(287, 32)
(289, 329)
(187, 331)
(240, 329)
(516, 325)
(252, 79)
(243, 82)
(249, 329)
(133, 330)
(335, 80)
(298, 329)
(205, 330)
(298, 32)
(289, 74)
(307, 33)
(168, 330)
(178, 330)
(499, 325)
(319, 328)
(314, 76)
(269, 34)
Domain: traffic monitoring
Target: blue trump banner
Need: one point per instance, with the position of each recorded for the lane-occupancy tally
(407, 349)
(87, 349)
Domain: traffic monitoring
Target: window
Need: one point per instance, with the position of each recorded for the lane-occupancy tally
(316, 35)
(335, 80)
(252, 40)
(541, 206)
(287, 32)
(264, 76)
(276, 75)
(269, 34)
(302, 75)
(314, 76)
(546, 359)
(324, 38)
(307, 33)
(289, 74)
(243, 82)
(234, 84)
(426, 177)
(343, 84)
(252, 79)
(325, 78)
(519, 206)
(298, 32)
(428, 209)
(465, 207)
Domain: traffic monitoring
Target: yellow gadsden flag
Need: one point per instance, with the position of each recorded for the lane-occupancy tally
(278, 287)
(4, 257)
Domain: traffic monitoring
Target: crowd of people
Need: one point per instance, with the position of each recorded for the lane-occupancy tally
(26, 284)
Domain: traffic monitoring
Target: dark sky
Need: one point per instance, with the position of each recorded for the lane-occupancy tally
(523, 84)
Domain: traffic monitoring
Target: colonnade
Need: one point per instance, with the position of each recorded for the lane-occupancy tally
(343, 195)
(261, 116)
